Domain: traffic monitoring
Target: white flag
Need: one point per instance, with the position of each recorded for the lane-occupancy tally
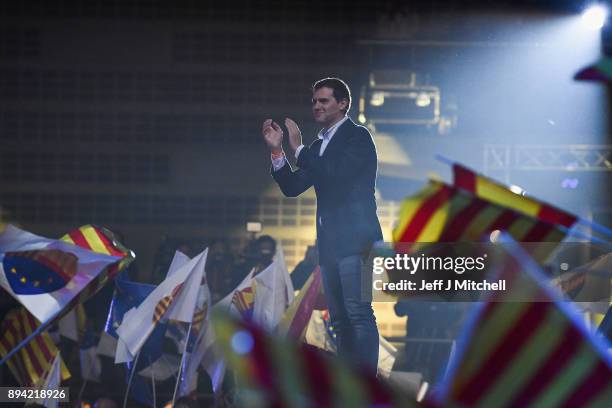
(274, 292)
(196, 346)
(44, 274)
(173, 298)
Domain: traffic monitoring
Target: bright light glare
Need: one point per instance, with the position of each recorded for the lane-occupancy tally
(377, 99)
(595, 16)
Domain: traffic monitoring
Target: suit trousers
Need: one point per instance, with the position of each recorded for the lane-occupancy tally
(352, 317)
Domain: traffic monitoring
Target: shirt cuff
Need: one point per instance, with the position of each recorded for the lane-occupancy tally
(298, 150)
(278, 163)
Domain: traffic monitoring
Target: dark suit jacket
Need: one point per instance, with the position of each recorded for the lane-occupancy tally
(344, 179)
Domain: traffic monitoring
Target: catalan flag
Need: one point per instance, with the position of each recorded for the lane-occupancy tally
(30, 364)
(470, 217)
(444, 213)
(423, 216)
(520, 354)
(277, 372)
(496, 193)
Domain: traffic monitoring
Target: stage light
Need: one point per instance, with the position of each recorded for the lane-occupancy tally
(570, 183)
(594, 17)
(422, 100)
(377, 99)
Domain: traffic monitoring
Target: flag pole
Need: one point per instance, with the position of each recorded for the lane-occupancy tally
(127, 391)
(82, 390)
(153, 383)
(180, 371)
(580, 220)
(595, 227)
(570, 232)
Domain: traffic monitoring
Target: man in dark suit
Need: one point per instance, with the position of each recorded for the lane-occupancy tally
(341, 164)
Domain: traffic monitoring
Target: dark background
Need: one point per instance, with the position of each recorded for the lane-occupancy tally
(144, 116)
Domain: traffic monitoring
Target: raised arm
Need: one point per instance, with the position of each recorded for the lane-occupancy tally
(292, 183)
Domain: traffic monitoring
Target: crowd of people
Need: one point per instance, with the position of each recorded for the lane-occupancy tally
(225, 269)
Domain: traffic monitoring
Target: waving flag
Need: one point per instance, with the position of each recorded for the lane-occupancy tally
(243, 301)
(423, 215)
(30, 364)
(181, 287)
(277, 372)
(448, 214)
(101, 241)
(274, 293)
(296, 318)
(164, 304)
(519, 354)
(240, 301)
(196, 345)
(471, 217)
(39, 271)
(45, 275)
(497, 193)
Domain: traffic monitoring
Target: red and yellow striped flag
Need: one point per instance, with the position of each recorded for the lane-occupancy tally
(298, 314)
(30, 364)
(277, 372)
(497, 193)
(471, 217)
(443, 213)
(423, 216)
(102, 241)
(528, 354)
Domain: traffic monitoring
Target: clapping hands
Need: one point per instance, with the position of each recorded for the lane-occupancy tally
(273, 135)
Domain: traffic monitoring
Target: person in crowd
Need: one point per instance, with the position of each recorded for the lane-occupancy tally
(304, 269)
(219, 265)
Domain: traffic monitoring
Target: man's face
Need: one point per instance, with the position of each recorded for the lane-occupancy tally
(325, 108)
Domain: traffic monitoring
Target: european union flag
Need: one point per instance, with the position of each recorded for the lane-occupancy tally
(127, 295)
(130, 294)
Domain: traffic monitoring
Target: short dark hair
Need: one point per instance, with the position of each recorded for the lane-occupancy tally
(340, 89)
(266, 238)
